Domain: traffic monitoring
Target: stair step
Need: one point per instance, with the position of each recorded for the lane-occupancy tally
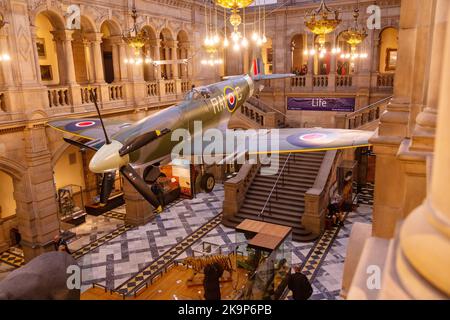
(289, 186)
(282, 199)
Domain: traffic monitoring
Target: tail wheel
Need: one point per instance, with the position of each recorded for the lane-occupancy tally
(208, 182)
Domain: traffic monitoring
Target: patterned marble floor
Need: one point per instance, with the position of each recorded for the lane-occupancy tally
(120, 258)
(93, 229)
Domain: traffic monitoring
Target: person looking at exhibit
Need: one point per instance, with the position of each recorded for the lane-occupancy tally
(299, 284)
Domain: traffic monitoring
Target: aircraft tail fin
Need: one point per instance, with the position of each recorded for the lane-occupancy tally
(257, 72)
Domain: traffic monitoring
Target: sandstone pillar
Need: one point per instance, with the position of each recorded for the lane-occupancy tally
(35, 197)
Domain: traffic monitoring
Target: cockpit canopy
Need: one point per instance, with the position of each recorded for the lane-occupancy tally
(198, 94)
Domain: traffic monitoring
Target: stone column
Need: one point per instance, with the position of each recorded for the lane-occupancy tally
(394, 123)
(36, 197)
(423, 134)
(424, 238)
(116, 61)
(174, 57)
(33, 30)
(64, 41)
(96, 41)
(123, 66)
(89, 61)
(156, 44)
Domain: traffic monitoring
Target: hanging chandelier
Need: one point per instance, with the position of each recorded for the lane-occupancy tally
(136, 39)
(238, 39)
(3, 56)
(354, 36)
(212, 38)
(322, 21)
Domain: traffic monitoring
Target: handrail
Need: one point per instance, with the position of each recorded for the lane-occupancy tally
(368, 107)
(275, 185)
(265, 105)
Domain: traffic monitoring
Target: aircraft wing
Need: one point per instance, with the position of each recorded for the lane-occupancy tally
(274, 141)
(90, 129)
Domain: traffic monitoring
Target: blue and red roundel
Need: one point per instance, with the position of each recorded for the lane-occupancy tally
(311, 139)
(79, 125)
(230, 96)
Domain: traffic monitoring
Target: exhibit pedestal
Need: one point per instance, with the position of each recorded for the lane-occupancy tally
(138, 210)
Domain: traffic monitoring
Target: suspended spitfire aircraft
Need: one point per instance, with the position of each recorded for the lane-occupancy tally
(123, 146)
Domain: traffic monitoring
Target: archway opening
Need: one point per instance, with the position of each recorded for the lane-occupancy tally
(84, 71)
(149, 50)
(49, 46)
(7, 202)
(182, 53)
(388, 50)
(166, 53)
(344, 66)
(298, 59)
(109, 30)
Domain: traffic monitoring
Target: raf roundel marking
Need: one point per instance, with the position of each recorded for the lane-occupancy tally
(81, 125)
(310, 139)
(85, 124)
(313, 137)
(230, 96)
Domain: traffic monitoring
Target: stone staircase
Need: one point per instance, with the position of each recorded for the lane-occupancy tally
(286, 205)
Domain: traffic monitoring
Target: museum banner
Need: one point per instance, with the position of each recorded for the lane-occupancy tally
(321, 104)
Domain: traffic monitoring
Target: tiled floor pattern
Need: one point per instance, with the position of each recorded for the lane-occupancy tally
(137, 281)
(94, 228)
(123, 257)
(118, 252)
(13, 257)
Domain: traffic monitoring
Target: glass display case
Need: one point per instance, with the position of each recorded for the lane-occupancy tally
(263, 250)
(71, 204)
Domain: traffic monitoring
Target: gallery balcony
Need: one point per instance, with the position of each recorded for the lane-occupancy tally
(73, 99)
(382, 82)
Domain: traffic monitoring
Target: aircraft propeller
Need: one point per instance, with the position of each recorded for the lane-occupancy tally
(115, 156)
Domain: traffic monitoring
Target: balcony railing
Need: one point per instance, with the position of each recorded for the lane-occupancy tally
(86, 97)
(185, 86)
(152, 89)
(170, 87)
(385, 80)
(2, 102)
(320, 81)
(115, 92)
(344, 81)
(299, 81)
(59, 97)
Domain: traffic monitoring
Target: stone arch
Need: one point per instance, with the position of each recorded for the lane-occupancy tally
(166, 49)
(112, 25)
(166, 34)
(56, 18)
(297, 42)
(50, 33)
(383, 48)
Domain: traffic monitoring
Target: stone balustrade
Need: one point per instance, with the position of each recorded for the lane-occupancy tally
(320, 81)
(169, 87)
(317, 198)
(185, 86)
(298, 82)
(362, 117)
(344, 81)
(2, 102)
(152, 89)
(115, 92)
(262, 114)
(385, 80)
(59, 97)
(236, 188)
(86, 97)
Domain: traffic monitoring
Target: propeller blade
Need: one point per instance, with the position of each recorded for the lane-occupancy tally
(141, 141)
(139, 184)
(107, 186)
(79, 144)
(94, 98)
